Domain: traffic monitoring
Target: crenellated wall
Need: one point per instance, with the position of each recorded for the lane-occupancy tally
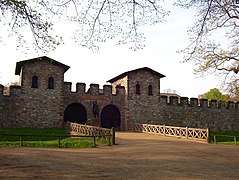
(93, 90)
(19, 109)
(199, 113)
(133, 96)
(33, 109)
(103, 97)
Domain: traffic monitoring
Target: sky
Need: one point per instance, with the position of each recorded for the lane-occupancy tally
(160, 54)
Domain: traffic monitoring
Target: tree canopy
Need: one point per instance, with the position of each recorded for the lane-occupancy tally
(96, 20)
(216, 94)
(214, 39)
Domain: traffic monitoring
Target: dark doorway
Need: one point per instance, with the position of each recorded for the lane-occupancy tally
(75, 112)
(110, 117)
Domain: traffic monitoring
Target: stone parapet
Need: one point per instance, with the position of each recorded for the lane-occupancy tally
(195, 102)
(93, 90)
(199, 113)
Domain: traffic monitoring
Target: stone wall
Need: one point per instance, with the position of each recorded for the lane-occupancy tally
(45, 108)
(141, 107)
(1, 102)
(35, 107)
(87, 98)
(41, 106)
(199, 113)
(121, 82)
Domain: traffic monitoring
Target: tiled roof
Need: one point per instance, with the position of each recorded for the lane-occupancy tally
(43, 58)
(136, 70)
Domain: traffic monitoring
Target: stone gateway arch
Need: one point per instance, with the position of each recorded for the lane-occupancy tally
(75, 112)
(110, 117)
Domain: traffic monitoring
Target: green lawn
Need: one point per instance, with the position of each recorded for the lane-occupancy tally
(44, 141)
(223, 139)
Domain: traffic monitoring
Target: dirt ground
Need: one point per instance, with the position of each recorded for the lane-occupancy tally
(136, 156)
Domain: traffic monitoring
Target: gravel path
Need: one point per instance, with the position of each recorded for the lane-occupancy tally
(136, 156)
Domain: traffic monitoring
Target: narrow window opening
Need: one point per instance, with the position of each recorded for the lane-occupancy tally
(150, 90)
(50, 83)
(137, 89)
(34, 82)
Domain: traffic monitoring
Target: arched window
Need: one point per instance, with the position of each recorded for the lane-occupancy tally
(150, 90)
(50, 83)
(137, 89)
(34, 82)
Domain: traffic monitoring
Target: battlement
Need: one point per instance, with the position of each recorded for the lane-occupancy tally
(1, 89)
(15, 90)
(195, 102)
(94, 89)
(9, 91)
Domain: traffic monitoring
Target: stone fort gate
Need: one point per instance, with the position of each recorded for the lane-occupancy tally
(43, 99)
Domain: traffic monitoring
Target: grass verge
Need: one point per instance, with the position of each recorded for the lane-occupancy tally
(44, 141)
(225, 137)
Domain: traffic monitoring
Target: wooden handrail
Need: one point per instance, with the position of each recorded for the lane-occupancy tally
(52, 135)
(59, 136)
(182, 132)
(221, 135)
(224, 135)
(91, 130)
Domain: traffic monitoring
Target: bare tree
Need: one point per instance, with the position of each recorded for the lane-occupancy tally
(215, 39)
(97, 20)
(16, 15)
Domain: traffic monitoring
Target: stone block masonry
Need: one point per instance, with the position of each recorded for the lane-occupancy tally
(200, 113)
(45, 100)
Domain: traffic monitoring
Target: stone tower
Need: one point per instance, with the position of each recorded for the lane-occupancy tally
(40, 98)
(142, 92)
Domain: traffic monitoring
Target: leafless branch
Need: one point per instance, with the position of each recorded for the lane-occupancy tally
(96, 19)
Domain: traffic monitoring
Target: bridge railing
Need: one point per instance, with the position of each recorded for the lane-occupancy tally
(181, 132)
(91, 131)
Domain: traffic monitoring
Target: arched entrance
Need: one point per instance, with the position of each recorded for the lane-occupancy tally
(110, 117)
(75, 112)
